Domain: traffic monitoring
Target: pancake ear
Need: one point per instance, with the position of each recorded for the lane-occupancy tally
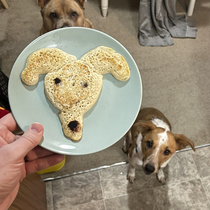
(145, 126)
(182, 141)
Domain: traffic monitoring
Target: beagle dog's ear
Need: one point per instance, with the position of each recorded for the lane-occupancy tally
(42, 3)
(182, 141)
(144, 126)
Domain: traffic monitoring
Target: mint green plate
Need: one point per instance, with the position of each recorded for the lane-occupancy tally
(105, 123)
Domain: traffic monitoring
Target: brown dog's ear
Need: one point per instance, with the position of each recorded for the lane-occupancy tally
(42, 3)
(182, 141)
(87, 23)
(145, 126)
(80, 2)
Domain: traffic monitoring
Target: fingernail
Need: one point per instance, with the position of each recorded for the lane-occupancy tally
(37, 127)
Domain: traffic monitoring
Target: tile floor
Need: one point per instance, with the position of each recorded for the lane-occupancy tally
(187, 187)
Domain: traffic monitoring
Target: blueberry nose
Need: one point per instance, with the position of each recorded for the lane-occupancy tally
(149, 169)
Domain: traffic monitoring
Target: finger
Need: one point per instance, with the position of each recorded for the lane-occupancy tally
(6, 137)
(43, 163)
(7, 126)
(9, 122)
(28, 140)
(38, 152)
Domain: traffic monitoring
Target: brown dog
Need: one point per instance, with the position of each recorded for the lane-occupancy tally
(62, 13)
(151, 144)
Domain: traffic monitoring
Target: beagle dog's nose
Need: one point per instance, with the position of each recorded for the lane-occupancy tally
(149, 169)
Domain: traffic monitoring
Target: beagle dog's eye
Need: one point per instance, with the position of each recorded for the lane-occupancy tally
(53, 15)
(74, 14)
(149, 144)
(167, 152)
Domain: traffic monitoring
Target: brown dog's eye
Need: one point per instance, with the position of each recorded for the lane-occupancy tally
(53, 15)
(74, 14)
(167, 152)
(149, 144)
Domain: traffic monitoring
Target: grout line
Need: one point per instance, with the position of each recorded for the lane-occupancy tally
(50, 204)
(102, 189)
(195, 164)
(104, 204)
(118, 196)
(201, 181)
(208, 201)
(52, 196)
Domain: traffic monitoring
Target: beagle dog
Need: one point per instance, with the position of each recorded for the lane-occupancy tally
(151, 144)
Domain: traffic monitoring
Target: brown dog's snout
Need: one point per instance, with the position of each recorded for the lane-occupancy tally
(149, 169)
(65, 25)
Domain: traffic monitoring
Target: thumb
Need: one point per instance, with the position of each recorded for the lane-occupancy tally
(28, 140)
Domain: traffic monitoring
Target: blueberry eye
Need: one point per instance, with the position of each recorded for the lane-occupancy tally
(149, 144)
(74, 14)
(54, 15)
(167, 152)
